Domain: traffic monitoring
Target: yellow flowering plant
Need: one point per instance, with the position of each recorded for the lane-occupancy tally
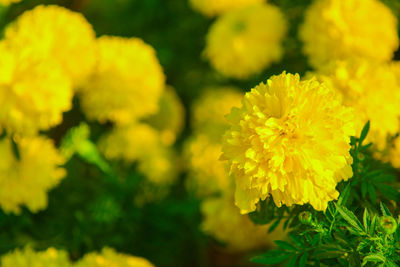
(176, 131)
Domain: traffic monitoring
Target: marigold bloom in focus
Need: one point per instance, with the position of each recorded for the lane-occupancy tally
(373, 91)
(108, 257)
(244, 41)
(216, 7)
(127, 82)
(28, 257)
(33, 93)
(25, 181)
(289, 139)
(223, 221)
(341, 29)
(54, 32)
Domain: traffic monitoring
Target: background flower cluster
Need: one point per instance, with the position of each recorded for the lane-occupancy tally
(135, 133)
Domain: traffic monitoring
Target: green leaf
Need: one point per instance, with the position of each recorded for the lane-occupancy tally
(375, 258)
(303, 260)
(385, 210)
(297, 240)
(388, 192)
(371, 193)
(364, 132)
(274, 225)
(350, 218)
(366, 219)
(344, 196)
(271, 257)
(364, 188)
(372, 228)
(285, 245)
(292, 262)
(15, 149)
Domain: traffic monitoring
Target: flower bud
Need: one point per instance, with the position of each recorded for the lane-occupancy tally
(305, 217)
(387, 224)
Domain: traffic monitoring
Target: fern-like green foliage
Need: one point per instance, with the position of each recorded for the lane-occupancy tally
(359, 229)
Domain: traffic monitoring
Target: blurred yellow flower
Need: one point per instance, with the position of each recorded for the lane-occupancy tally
(8, 2)
(374, 93)
(289, 139)
(141, 143)
(109, 258)
(54, 32)
(129, 143)
(127, 83)
(209, 111)
(216, 7)
(170, 118)
(244, 41)
(223, 221)
(206, 173)
(28, 257)
(341, 29)
(26, 180)
(33, 93)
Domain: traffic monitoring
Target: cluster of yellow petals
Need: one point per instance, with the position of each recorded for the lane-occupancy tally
(33, 93)
(26, 180)
(141, 143)
(244, 41)
(110, 258)
(209, 178)
(216, 7)
(290, 139)
(373, 90)
(58, 34)
(59, 258)
(127, 82)
(28, 257)
(337, 30)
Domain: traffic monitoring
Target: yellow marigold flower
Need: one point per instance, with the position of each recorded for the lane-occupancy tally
(25, 181)
(209, 111)
(28, 257)
(109, 258)
(206, 173)
(33, 93)
(374, 93)
(129, 143)
(216, 7)
(223, 221)
(8, 2)
(244, 41)
(170, 118)
(141, 143)
(160, 165)
(127, 83)
(57, 33)
(341, 29)
(289, 139)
